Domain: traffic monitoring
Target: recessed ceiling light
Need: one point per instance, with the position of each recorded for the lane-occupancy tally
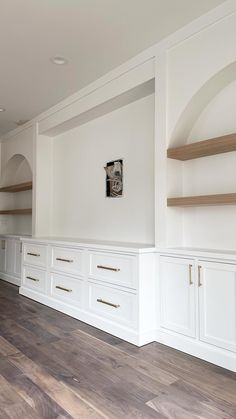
(2, 109)
(59, 60)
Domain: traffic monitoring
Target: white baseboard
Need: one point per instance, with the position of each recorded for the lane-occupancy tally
(108, 326)
(9, 278)
(210, 353)
(146, 337)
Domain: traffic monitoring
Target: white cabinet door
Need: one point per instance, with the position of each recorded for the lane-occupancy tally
(177, 289)
(217, 304)
(3, 255)
(17, 257)
(10, 256)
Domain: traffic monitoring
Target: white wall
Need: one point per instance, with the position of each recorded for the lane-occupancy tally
(80, 207)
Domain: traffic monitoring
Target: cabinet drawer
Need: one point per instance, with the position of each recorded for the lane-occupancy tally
(119, 306)
(113, 268)
(69, 290)
(34, 279)
(68, 260)
(35, 254)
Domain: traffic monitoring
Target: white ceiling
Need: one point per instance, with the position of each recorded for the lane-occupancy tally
(94, 35)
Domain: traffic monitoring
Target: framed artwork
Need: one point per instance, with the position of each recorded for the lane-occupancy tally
(114, 179)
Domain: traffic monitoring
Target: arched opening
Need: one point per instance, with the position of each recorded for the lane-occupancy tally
(199, 102)
(17, 170)
(209, 114)
(16, 202)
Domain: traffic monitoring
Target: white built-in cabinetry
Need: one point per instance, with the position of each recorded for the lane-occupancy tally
(197, 306)
(10, 258)
(111, 287)
(185, 299)
(177, 288)
(217, 304)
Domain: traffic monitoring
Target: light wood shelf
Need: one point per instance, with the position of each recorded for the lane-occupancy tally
(19, 211)
(219, 145)
(26, 186)
(201, 200)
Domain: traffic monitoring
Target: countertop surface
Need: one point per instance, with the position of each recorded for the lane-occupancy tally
(224, 254)
(89, 243)
(15, 236)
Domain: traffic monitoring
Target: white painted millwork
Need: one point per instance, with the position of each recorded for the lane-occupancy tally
(208, 295)
(183, 298)
(35, 254)
(18, 257)
(3, 255)
(177, 288)
(34, 279)
(10, 258)
(68, 260)
(217, 304)
(113, 268)
(114, 304)
(110, 286)
(67, 289)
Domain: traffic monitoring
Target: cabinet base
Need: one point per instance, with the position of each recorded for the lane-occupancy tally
(120, 331)
(9, 278)
(210, 353)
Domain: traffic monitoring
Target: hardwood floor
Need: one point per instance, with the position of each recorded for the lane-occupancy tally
(53, 366)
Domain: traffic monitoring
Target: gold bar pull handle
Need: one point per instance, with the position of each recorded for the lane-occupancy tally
(199, 276)
(63, 289)
(33, 254)
(190, 274)
(32, 279)
(65, 260)
(108, 268)
(100, 300)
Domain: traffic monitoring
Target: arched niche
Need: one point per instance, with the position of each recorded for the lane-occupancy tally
(199, 102)
(17, 170)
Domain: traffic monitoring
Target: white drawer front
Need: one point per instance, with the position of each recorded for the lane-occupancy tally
(68, 260)
(34, 279)
(113, 268)
(113, 304)
(35, 254)
(67, 289)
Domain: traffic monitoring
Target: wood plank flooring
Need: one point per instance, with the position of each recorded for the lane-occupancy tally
(53, 366)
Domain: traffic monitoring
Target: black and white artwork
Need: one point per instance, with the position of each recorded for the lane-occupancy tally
(114, 179)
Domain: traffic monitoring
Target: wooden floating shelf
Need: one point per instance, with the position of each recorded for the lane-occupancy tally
(197, 201)
(17, 211)
(218, 145)
(26, 186)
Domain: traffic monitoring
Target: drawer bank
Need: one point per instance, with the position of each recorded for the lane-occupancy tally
(111, 287)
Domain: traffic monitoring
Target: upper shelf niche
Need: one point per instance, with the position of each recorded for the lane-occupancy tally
(224, 144)
(24, 186)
